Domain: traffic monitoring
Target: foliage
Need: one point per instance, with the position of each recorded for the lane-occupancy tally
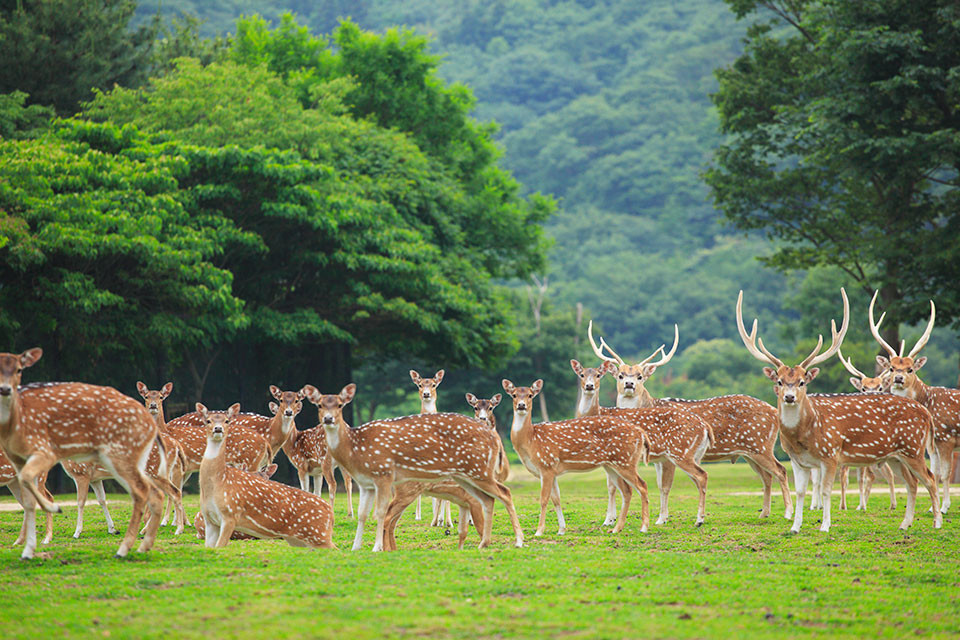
(20, 121)
(57, 52)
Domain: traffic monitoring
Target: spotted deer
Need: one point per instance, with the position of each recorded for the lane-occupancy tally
(826, 431)
(740, 425)
(176, 459)
(551, 449)
(244, 446)
(8, 476)
(427, 390)
(943, 403)
(307, 451)
(383, 454)
(865, 475)
(43, 423)
(234, 499)
(200, 526)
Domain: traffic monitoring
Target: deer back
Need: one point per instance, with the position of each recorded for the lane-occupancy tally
(579, 443)
(739, 422)
(669, 430)
(243, 446)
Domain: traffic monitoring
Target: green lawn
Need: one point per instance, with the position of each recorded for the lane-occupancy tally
(737, 575)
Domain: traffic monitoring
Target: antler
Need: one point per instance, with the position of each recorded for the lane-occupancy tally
(836, 337)
(922, 342)
(666, 358)
(750, 341)
(599, 350)
(848, 365)
(875, 327)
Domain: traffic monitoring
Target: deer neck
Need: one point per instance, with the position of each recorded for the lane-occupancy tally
(521, 427)
(9, 413)
(160, 420)
(338, 438)
(588, 405)
(792, 416)
(212, 466)
(638, 400)
(428, 406)
(279, 428)
(916, 392)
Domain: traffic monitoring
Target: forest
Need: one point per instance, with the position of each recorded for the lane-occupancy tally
(324, 192)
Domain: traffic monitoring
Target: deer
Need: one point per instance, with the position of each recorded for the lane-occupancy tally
(943, 403)
(198, 522)
(427, 390)
(307, 452)
(41, 424)
(383, 454)
(8, 477)
(549, 450)
(865, 475)
(739, 425)
(824, 431)
(176, 459)
(234, 499)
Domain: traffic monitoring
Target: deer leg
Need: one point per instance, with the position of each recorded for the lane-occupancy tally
(476, 515)
(15, 490)
(910, 480)
(630, 478)
(699, 477)
(665, 472)
(401, 500)
(226, 530)
(101, 496)
(546, 488)
(945, 461)
(434, 509)
(211, 533)
(83, 486)
(348, 485)
(483, 488)
(868, 477)
(366, 502)
(929, 481)
(844, 484)
(29, 527)
(816, 498)
(768, 462)
(555, 497)
(449, 506)
(463, 526)
(887, 474)
(828, 471)
(417, 513)
(383, 497)
(37, 465)
(611, 515)
(801, 476)
(767, 480)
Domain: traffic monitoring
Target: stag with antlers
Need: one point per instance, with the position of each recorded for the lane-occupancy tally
(740, 425)
(942, 403)
(826, 431)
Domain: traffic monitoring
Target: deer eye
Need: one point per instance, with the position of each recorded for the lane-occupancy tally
(802, 383)
(909, 370)
(620, 376)
(779, 383)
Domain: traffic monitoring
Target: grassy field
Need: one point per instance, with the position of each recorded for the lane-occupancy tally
(737, 575)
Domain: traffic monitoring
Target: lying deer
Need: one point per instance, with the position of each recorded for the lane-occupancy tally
(236, 499)
(199, 525)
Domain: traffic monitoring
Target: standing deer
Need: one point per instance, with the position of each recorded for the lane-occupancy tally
(307, 452)
(865, 475)
(550, 449)
(237, 499)
(427, 390)
(943, 403)
(385, 453)
(740, 426)
(826, 431)
(43, 423)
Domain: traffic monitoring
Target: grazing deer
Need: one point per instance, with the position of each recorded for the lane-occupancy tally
(8, 476)
(741, 426)
(865, 475)
(236, 499)
(385, 453)
(943, 403)
(307, 452)
(43, 423)
(826, 431)
(427, 389)
(199, 525)
(550, 449)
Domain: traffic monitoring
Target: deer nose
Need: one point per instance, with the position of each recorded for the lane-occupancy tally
(5, 390)
(898, 379)
(789, 397)
(288, 412)
(588, 387)
(522, 406)
(628, 384)
(327, 419)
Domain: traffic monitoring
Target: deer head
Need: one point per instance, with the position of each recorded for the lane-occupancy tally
(427, 386)
(590, 376)
(12, 365)
(901, 370)
(330, 406)
(483, 409)
(153, 400)
(631, 378)
(218, 422)
(860, 380)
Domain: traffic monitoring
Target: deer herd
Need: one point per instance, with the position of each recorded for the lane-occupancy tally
(888, 427)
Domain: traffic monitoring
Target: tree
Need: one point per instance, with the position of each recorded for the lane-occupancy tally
(58, 52)
(844, 145)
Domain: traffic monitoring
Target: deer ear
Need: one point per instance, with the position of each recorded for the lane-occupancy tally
(415, 377)
(495, 400)
(577, 367)
(310, 392)
(202, 410)
(648, 370)
(536, 386)
(811, 374)
(29, 357)
(276, 392)
(270, 470)
(508, 386)
(607, 367)
(856, 382)
(166, 390)
(347, 393)
(771, 373)
(883, 362)
(274, 407)
(919, 362)
(142, 389)
(471, 399)
(233, 410)
(438, 377)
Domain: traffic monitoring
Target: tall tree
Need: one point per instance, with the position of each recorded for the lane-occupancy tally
(58, 51)
(845, 144)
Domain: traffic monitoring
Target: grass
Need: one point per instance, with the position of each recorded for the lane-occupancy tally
(738, 575)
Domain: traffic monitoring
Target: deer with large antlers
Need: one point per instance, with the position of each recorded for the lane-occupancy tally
(865, 475)
(427, 390)
(236, 499)
(551, 449)
(385, 453)
(43, 423)
(943, 403)
(826, 431)
(741, 426)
